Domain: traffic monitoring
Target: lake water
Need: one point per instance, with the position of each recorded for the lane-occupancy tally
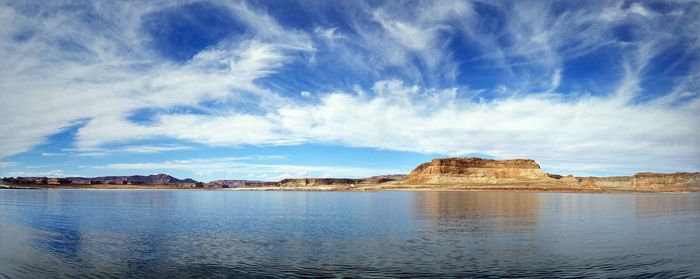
(180, 234)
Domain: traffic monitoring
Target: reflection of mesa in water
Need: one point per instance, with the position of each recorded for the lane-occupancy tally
(495, 209)
(649, 205)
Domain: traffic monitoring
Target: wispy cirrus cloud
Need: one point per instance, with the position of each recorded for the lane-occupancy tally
(89, 79)
(51, 173)
(600, 131)
(612, 85)
(238, 167)
(127, 149)
(7, 164)
(52, 154)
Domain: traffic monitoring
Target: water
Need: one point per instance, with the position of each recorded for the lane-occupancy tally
(180, 234)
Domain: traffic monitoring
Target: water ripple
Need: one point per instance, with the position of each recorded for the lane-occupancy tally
(178, 234)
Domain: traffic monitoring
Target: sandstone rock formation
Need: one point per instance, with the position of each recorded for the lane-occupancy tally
(442, 173)
(240, 183)
(526, 174)
(647, 182)
(382, 179)
(477, 171)
(306, 182)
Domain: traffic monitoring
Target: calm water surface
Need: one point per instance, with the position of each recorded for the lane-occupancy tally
(105, 234)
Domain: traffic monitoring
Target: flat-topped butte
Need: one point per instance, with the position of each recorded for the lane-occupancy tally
(526, 174)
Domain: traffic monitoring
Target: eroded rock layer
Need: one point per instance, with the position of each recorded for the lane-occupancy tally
(526, 174)
(647, 182)
(443, 173)
(477, 171)
(306, 182)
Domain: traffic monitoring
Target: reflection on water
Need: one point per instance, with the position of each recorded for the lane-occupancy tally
(116, 234)
(499, 210)
(650, 205)
(61, 237)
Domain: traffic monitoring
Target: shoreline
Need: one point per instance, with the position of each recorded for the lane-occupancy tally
(343, 188)
(440, 174)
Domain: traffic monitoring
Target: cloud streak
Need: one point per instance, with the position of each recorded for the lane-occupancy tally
(447, 77)
(237, 167)
(599, 131)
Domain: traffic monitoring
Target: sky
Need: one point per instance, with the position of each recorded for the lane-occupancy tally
(264, 90)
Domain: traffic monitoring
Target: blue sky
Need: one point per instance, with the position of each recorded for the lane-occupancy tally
(271, 89)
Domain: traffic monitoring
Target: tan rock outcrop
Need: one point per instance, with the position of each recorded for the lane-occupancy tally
(477, 171)
(647, 182)
(679, 181)
(306, 182)
(620, 183)
(443, 173)
(526, 174)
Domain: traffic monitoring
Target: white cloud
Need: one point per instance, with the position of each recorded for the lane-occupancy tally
(638, 9)
(555, 131)
(51, 154)
(600, 131)
(101, 84)
(7, 164)
(153, 148)
(51, 173)
(407, 34)
(46, 88)
(329, 34)
(234, 167)
(103, 152)
(556, 80)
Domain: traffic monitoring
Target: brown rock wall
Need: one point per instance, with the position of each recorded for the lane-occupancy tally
(477, 171)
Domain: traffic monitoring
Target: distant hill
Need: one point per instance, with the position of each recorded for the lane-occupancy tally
(165, 179)
(155, 179)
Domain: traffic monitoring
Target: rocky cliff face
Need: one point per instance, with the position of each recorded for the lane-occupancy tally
(477, 171)
(305, 182)
(527, 174)
(240, 183)
(382, 178)
(664, 181)
(647, 181)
